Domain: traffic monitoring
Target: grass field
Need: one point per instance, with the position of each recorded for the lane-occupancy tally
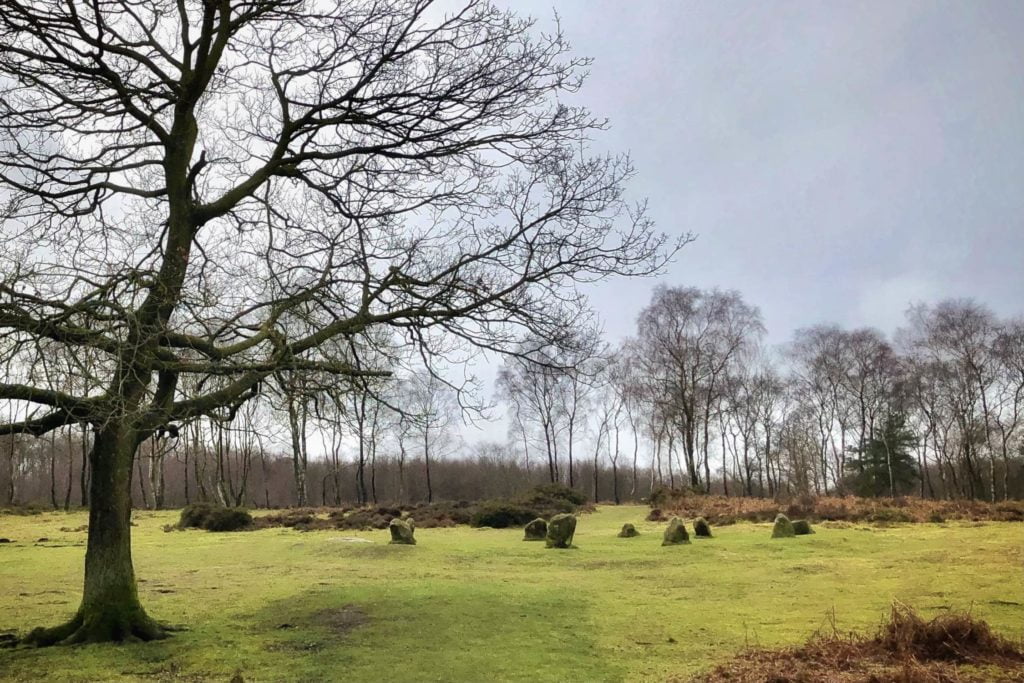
(472, 605)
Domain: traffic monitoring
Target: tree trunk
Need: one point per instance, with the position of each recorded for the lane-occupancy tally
(53, 469)
(71, 471)
(615, 482)
(83, 476)
(426, 462)
(110, 608)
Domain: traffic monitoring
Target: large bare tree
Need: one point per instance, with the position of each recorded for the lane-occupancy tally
(218, 188)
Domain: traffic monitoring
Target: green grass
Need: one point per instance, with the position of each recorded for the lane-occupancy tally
(472, 605)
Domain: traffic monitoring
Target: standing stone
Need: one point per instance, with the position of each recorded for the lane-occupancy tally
(401, 532)
(675, 533)
(801, 527)
(783, 527)
(628, 531)
(536, 530)
(560, 531)
(701, 528)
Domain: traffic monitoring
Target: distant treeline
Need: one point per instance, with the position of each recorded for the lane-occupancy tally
(44, 476)
(693, 402)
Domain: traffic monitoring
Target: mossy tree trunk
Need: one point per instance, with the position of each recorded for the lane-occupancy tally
(110, 609)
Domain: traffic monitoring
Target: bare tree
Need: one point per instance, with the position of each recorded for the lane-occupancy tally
(219, 188)
(433, 406)
(687, 341)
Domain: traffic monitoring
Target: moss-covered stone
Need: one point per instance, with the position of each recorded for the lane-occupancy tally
(701, 528)
(536, 530)
(801, 527)
(628, 531)
(401, 532)
(561, 529)
(675, 533)
(783, 527)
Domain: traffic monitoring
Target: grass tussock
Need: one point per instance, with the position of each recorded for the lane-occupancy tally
(952, 647)
(722, 510)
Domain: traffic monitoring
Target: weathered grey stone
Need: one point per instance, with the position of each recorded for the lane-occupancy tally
(536, 530)
(675, 533)
(783, 527)
(701, 528)
(628, 531)
(401, 532)
(561, 529)
(801, 527)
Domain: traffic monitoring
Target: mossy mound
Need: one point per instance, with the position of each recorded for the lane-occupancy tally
(801, 527)
(401, 532)
(561, 529)
(701, 528)
(194, 516)
(502, 515)
(228, 519)
(536, 530)
(783, 527)
(628, 531)
(215, 518)
(675, 533)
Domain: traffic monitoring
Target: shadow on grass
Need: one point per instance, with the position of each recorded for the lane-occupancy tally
(440, 630)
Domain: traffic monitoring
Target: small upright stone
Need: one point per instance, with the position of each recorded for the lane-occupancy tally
(401, 532)
(561, 529)
(783, 527)
(675, 533)
(701, 528)
(628, 531)
(801, 527)
(536, 530)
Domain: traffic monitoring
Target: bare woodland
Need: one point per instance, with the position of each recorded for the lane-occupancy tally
(245, 242)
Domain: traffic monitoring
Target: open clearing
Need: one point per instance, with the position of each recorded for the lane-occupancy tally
(469, 605)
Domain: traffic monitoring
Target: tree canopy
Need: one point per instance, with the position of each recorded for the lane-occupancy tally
(220, 189)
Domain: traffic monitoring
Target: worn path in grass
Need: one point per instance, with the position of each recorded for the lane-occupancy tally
(472, 605)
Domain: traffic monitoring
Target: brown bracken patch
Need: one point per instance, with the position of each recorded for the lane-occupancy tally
(723, 510)
(951, 648)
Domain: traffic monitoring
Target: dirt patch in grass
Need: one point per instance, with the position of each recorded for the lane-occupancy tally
(340, 620)
(307, 633)
(952, 647)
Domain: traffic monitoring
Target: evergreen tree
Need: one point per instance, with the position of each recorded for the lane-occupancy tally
(885, 464)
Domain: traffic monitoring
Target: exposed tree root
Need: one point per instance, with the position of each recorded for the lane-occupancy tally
(134, 626)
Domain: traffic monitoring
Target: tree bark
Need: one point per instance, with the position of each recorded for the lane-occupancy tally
(83, 475)
(110, 609)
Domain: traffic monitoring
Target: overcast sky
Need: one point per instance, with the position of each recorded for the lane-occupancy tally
(838, 160)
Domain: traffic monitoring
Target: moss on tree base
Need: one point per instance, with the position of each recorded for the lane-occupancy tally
(107, 626)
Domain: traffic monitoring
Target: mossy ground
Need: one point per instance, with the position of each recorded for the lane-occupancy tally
(471, 604)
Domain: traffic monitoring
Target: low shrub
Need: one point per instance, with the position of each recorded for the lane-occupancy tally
(722, 510)
(906, 648)
(194, 516)
(656, 515)
(228, 519)
(888, 515)
(501, 515)
(554, 494)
